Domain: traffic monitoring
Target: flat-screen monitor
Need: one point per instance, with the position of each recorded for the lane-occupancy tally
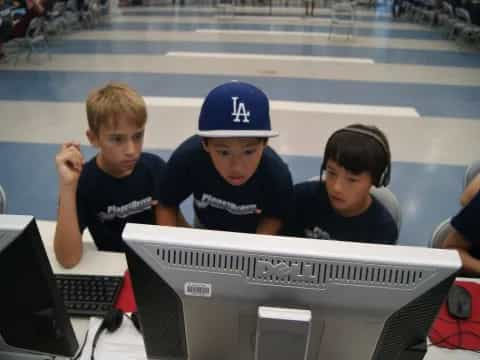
(33, 319)
(206, 295)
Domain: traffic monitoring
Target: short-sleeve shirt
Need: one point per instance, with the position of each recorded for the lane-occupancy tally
(106, 203)
(315, 217)
(467, 223)
(219, 205)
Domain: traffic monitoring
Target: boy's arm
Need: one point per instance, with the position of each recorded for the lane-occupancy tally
(279, 199)
(470, 191)
(68, 239)
(269, 226)
(165, 215)
(175, 187)
(457, 242)
(170, 216)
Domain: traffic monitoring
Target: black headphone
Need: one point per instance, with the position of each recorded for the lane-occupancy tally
(112, 322)
(384, 179)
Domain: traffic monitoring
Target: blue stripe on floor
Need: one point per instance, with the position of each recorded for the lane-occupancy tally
(429, 100)
(369, 32)
(385, 16)
(427, 193)
(379, 55)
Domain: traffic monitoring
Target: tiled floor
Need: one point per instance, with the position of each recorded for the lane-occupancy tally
(421, 89)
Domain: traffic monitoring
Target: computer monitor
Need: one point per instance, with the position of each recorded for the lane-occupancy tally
(33, 319)
(219, 295)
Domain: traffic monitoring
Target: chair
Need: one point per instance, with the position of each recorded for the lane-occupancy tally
(72, 16)
(440, 234)
(446, 18)
(428, 12)
(472, 171)
(104, 6)
(342, 14)
(35, 36)
(224, 7)
(464, 27)
(56, 22)
(410, 9)
(3, 201)
(388, 199)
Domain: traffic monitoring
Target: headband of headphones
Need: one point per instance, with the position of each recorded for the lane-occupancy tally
(384, 179)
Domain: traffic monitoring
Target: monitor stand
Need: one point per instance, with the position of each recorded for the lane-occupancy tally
(6, 355)
(10, 353)
(282, 334)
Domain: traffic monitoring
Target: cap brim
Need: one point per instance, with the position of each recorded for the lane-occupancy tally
(239, 133)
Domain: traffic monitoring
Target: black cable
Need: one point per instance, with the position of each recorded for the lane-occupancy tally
(79, 352)
(452, 321)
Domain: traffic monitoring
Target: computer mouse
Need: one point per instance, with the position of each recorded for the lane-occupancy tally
(459, 302)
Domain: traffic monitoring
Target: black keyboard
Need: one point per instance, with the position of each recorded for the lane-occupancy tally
(88, 295)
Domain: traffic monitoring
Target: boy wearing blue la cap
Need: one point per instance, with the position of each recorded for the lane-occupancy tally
(237, 181)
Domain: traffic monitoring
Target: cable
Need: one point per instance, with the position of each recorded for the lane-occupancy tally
(452, 321)
(80, 350)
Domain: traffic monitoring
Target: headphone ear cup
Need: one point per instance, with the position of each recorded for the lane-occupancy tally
(385, 177)
(113, 319)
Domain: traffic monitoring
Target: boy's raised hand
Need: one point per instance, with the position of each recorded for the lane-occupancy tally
(69, 161)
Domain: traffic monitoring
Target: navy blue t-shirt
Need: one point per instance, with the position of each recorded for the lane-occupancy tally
(106, 203)
(467, 223)
(220, 205)
(315, 218)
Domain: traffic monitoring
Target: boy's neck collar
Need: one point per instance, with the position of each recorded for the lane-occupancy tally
(101, 166)
(361, 211)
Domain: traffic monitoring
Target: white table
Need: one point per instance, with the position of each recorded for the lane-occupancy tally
(93, 262)
(106, 263)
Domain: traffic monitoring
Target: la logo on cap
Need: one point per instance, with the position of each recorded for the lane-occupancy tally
(239, 110)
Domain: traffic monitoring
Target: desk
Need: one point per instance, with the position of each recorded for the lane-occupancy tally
(105, 263)
(93, 262)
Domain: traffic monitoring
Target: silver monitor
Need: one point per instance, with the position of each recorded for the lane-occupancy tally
(206, 295)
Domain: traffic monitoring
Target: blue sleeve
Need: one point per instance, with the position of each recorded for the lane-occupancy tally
(466, 222)
(384, 226)
(176, 184)
(279, 196)
(157, 169)
(295, 225)
(388, 234)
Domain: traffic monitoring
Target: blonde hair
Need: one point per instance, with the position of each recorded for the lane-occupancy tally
(106, 104)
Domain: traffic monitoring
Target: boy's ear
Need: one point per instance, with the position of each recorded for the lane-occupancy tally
(205, 145)
(265, 143)
(92, 138)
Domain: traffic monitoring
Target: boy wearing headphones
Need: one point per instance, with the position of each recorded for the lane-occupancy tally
(238, 182)
(339, 205)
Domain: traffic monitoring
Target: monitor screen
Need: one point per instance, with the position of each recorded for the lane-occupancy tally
(219, 295)
(32, 316)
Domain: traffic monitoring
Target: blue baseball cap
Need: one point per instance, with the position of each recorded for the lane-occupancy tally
(235, 109)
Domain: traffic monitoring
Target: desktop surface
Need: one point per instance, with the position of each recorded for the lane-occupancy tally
(105, 263)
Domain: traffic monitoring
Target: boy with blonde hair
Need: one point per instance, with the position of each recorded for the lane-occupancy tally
(119, 185)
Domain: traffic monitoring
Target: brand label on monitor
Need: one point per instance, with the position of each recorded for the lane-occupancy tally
(198, 289)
